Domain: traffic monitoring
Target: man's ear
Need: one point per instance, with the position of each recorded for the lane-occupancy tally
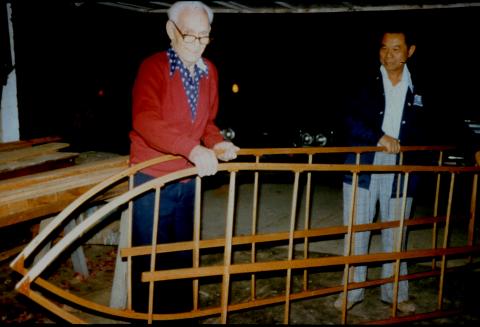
(170, 30)
(411, 50)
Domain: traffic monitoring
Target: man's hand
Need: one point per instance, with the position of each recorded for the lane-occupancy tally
(204, 159)
(226, 151)
(392, 145)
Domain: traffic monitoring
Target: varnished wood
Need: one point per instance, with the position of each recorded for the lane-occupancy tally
(37, 164)
(84, 197)
(275, 237)
(288, 279)
(8, 146)
(196, 236)
(253, 255)
(17, 206)
(29, 152)
(40, 178)
(232, 307)
(227, 269)
(304, 263)
(306, 223)
(227, 249)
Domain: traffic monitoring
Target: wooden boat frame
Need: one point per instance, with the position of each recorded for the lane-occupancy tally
(437, 253)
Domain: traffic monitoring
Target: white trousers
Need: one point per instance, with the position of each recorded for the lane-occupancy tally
(365, 209)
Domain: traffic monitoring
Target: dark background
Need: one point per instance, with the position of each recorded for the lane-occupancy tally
(76, 65)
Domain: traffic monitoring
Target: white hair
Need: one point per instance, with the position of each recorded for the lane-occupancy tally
(179, 6)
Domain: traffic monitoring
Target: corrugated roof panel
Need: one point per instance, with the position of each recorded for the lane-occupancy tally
(291, 6)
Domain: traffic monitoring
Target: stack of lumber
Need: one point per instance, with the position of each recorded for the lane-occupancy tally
(37, 181)
(47, 193)
(22, 158)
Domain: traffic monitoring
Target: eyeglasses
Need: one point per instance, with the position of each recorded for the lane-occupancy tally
(187, 38)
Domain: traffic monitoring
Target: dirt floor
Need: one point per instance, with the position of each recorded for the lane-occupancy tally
(459, 293)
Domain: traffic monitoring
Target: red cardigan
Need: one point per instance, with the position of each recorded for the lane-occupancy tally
(162, 121)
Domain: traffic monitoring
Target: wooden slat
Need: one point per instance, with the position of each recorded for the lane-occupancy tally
(36, 209)
(55, 185)
(43, 140)
(40, 163)
(331, 149)
(42, 200)
(38, 195)
(7, 146)
(26, 181)
(275, 237)
(13, 155)
(242, 268)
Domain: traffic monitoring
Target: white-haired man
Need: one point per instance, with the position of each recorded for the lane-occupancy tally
(175, 102)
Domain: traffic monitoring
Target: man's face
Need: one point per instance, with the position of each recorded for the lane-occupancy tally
(190, 22)
(394, 51)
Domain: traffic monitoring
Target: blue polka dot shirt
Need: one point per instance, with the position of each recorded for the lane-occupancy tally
(190, 85)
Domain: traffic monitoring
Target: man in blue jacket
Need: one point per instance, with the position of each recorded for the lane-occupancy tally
(388, 111)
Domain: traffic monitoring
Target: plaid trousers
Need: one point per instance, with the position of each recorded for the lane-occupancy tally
(380, 190)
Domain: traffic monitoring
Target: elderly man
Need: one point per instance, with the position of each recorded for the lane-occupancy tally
(175, 102)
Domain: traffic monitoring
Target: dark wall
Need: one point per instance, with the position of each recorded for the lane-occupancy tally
(76, 65)
(310, 62)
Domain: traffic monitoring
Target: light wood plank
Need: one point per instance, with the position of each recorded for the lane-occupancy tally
(83, 169)
(41, 163)
(48, 193)
(8, 146)
(8, 156)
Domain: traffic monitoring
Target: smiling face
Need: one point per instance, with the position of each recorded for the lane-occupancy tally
(190, 22)
(394, 52)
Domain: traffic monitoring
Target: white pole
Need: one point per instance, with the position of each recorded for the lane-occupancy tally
(9, 125)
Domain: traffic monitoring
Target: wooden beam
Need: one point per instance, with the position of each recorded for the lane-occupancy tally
(86, 168)
(28, 152)
(37, 164)
(37, 209)
(45, 194)
(7, 146)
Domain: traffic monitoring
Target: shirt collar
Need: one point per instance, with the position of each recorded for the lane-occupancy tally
(175, 63)
(406, 78)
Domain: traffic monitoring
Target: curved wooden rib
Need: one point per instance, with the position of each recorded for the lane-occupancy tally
(60, 218)
(94, 219)
(112, 311)
(261, 267)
